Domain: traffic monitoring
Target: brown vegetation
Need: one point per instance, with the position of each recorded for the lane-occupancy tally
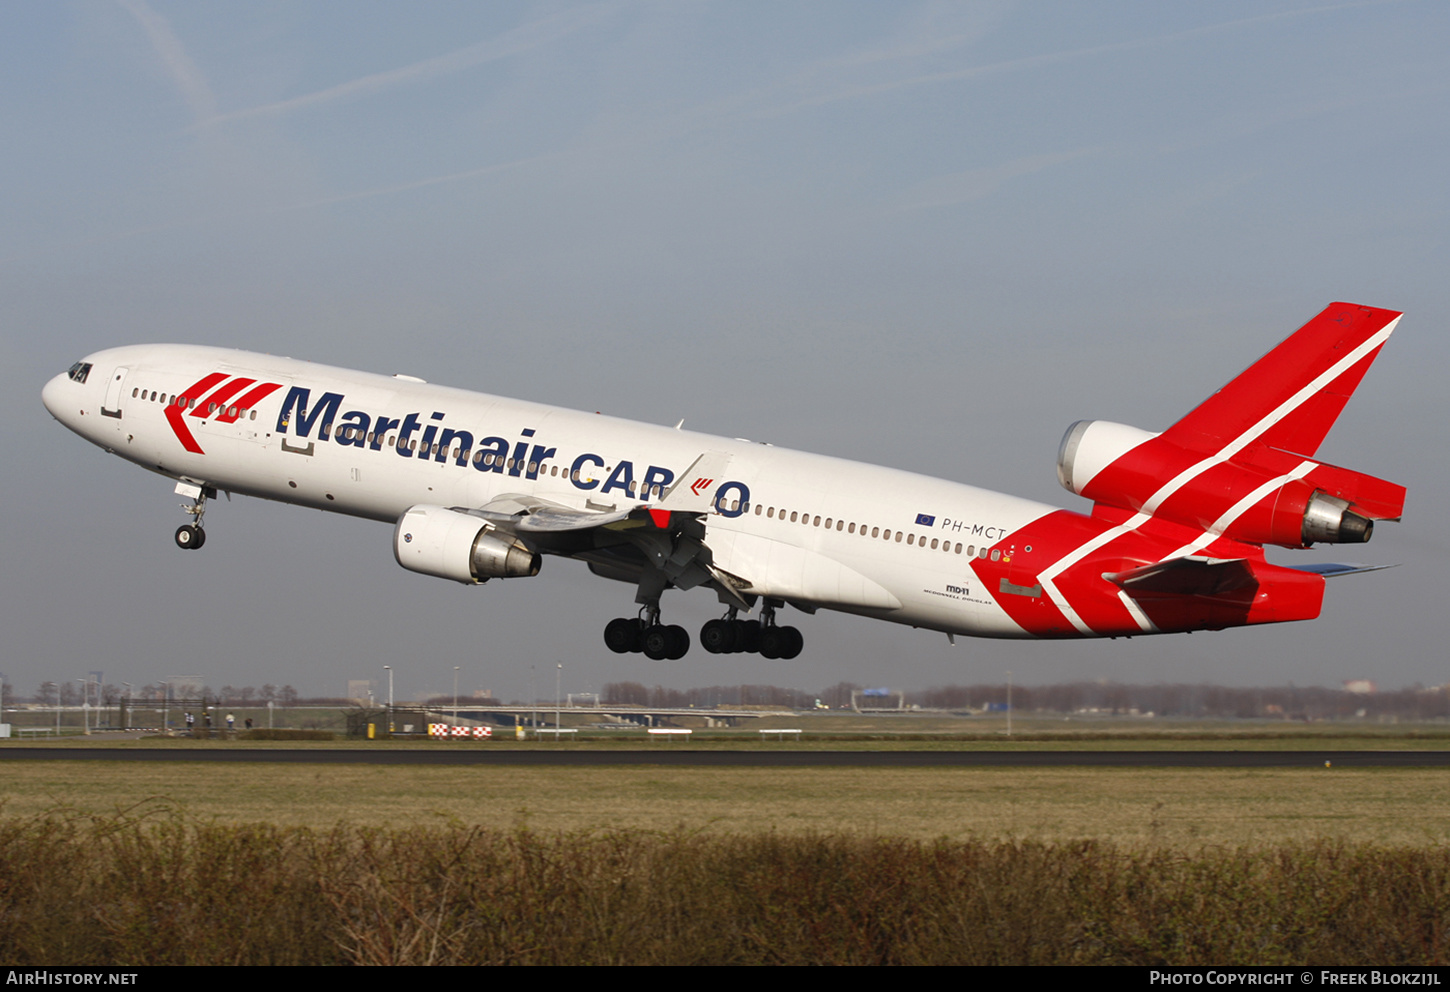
(122, 890)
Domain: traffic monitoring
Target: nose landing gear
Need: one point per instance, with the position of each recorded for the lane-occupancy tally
(191, 536)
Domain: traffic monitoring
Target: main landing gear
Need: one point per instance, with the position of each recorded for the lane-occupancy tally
(645, 634)
(728, 635)
(191, 536)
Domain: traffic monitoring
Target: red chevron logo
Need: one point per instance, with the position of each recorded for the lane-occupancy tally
(700, 484)
(215, 406)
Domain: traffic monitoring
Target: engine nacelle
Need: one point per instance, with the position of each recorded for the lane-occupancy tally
(1124, 467)
(1089, 446)
(1329, 520)
(435, 540)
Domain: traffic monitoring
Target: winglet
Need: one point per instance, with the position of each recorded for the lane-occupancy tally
(694, 490)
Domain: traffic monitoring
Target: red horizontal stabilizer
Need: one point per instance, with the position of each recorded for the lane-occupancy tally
(1195, 593)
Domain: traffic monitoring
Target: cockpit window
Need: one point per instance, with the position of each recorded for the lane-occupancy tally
(79, 371)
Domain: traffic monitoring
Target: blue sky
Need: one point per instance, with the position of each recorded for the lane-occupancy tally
(929, 235)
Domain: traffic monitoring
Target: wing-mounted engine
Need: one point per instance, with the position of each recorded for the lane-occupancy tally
(1255, 494)
(452, 544)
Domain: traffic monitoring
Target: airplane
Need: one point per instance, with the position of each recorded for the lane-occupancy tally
(479, 487)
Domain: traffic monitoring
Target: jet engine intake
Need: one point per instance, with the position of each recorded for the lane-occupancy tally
(451, 544)
(1089, 446)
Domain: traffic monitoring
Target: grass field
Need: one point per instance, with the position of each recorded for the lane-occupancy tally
(1137, 807)
(205, 862)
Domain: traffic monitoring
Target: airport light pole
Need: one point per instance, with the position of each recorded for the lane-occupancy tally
(389, 670)
(455, 693)
(558, 677)
(1009, 702)
(57, 705)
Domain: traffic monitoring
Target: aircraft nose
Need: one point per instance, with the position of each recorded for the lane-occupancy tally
(53, 395)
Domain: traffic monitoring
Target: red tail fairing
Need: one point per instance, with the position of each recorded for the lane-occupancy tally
(1233, 475)
(1239, 464)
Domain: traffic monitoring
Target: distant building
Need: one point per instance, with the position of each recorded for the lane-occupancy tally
(1363, 687)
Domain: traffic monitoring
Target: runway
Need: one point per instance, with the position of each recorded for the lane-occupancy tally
(683, 757)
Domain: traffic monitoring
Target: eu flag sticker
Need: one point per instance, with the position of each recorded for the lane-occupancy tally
(925, 519)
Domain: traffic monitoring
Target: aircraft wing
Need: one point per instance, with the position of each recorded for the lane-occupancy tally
(668, 536)
(525, 514)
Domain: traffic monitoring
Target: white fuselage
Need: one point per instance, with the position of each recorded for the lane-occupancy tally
(798, 527)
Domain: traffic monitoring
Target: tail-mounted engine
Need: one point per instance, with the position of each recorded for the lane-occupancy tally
(455, 545)
(1255, 494)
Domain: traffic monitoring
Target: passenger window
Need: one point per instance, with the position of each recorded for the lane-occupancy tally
(959, 549)
(898, 537)
(852, 528)
(817, 522)
(996, 556)
(793, 515)
(911, 539)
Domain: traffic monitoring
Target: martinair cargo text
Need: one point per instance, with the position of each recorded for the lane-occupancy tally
(478, 487)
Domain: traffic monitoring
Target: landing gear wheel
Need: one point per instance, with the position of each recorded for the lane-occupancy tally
(622, 635)
(665, 643)
(719, 637)
(748, 638)
(679, 642)
(656, 643)
(188, 537)
(793, 642)
(780, 642)
(200, 538)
